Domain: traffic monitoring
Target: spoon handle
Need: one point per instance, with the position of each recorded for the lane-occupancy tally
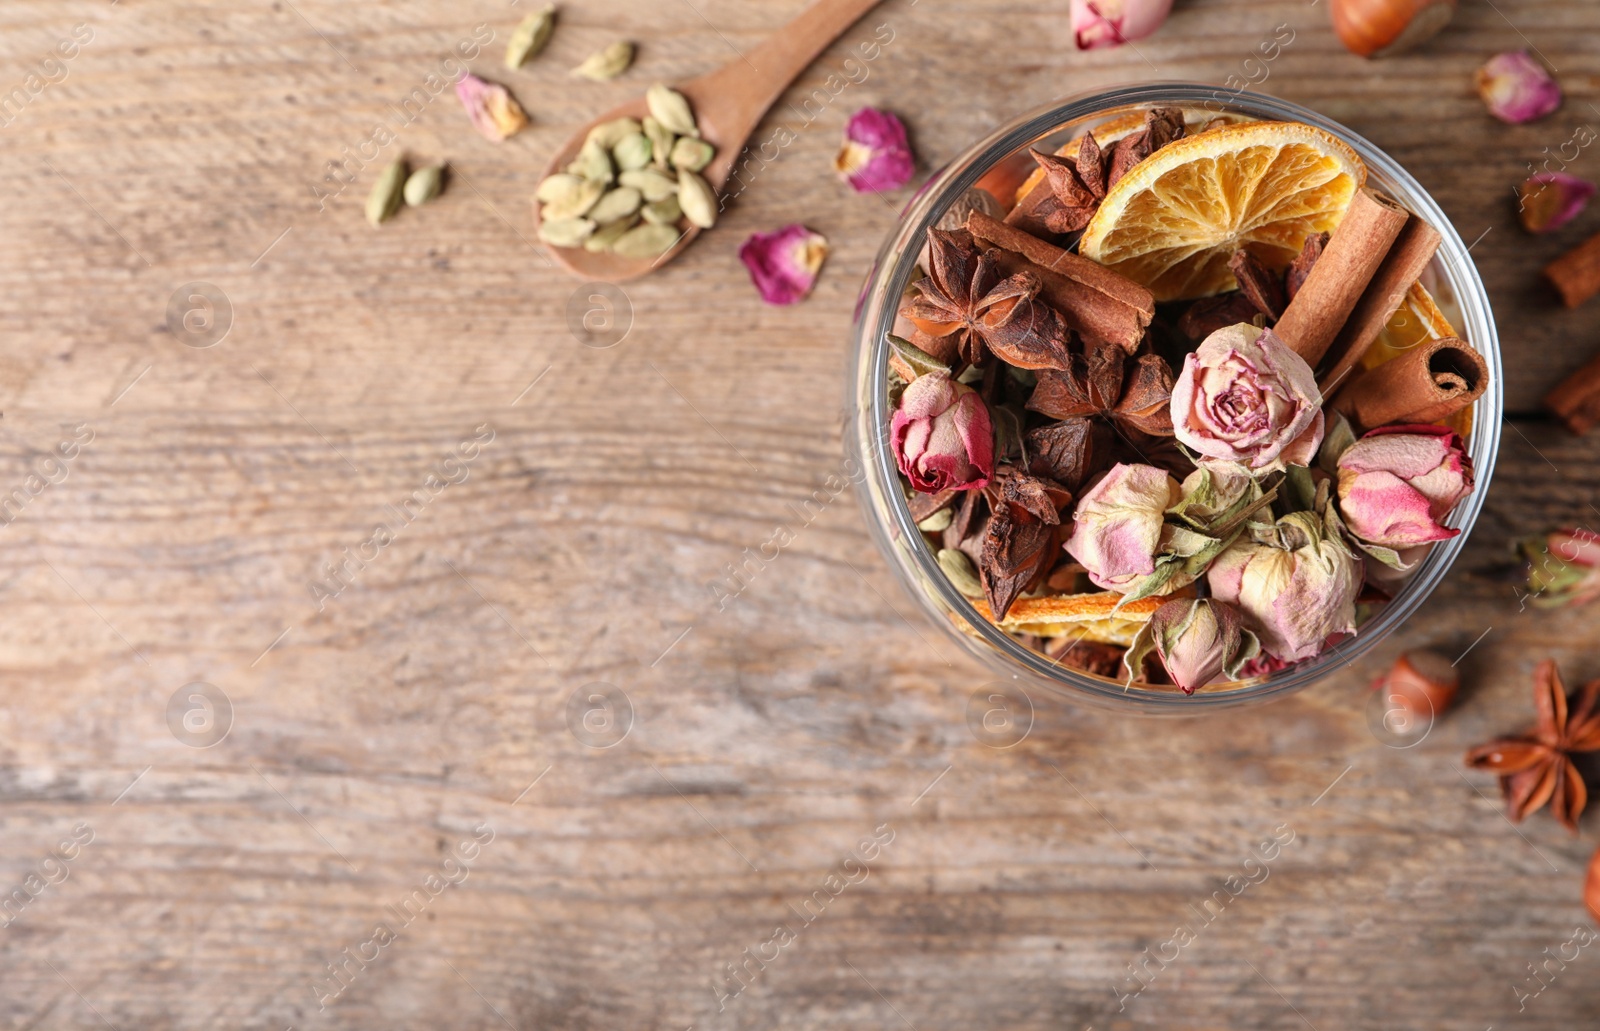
(745, 87)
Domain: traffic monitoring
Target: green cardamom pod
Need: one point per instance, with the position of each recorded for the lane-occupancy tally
(692, 154)
(606, 236)
(530, 37)
(606, 64)
(937, 522)
(384, 200)
(566, 232)
(661, 142)
(575, 204)
(609, 134)
(645, 242)
(664, 212)
(698, 199)
(594, 163)
(616, 204)
(558, 187)
(651, 183)
(671, 109)
(632, 152)
(959, 570)
(423, 185)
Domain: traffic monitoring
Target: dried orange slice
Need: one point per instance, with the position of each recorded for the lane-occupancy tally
(1172, 223)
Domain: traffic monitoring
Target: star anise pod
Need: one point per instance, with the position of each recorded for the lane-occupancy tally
(1069, 451)
(1537, 767)
(1078, 186)
(1162, 125)
(1131, 393)
(1021, 542)
(966, 290)
(1303, 263)
(1263, 288)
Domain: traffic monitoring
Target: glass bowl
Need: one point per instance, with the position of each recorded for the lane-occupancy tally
(1452, 278)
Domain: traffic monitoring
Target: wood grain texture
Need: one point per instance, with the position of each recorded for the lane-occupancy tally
(427, 703)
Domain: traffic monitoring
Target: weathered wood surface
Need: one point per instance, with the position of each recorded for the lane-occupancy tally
(430, 699)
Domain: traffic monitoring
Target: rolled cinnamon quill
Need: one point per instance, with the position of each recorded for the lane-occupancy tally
(1433, 381)
(1094, 300)
(1358, 247)
(1576, 274)
(1576, 402)
(1404, 265)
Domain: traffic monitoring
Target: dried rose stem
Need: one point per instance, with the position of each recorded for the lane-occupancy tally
(1323, 305)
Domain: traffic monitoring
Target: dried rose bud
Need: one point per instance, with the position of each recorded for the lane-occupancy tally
(1563, 567)
(942, 436)
(1421, 682)
(1244, 396)
(1198, 640)
(494, 111)
(875, 157)
(784, 264)
(1397, 482)
(1517, 88)
(1549, 200)
(1110, 23)
(1117, 527)
(1296, 591)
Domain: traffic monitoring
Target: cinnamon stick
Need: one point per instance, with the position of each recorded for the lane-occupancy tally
(1404, 265)
(1576, 274)
(1431, 382)
(1358, 246)
(1576, 401)
(1094, 300)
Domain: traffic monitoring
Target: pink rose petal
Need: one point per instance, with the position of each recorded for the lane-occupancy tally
(1517, 88)
(875, 157)
(1549, 200)
(784, 265)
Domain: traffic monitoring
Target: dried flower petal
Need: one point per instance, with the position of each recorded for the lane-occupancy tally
(1517, 88)
(1110, 23)
(1549, 200)
(494, 111)
(784, 265)
(875, 157)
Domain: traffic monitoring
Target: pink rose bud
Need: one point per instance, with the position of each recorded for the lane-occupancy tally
(942, 436)
(494, 111)
(784, 264)
(1199, 641)
(1517, 88)
(1396, 483)
(1117, 528)
(1244, 396)
(875, 157)
(1549, 200)
(1110, 23)
(1295, 592)
(1563, 568)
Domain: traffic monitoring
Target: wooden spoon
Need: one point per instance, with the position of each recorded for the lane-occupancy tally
(728, 105)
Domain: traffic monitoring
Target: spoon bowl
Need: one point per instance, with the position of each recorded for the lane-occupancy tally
(728, 104)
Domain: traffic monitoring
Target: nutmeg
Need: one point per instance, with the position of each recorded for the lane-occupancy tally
(1381, 28)
(1422, 682)
(1591, 888)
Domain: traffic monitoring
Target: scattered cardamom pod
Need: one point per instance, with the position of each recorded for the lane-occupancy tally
(574, 204)
(566, 232)
(606, 64)
(698, 199)
(593, 163)
(652, 184)
(423, 185)
(958, 568)
(530, 37)
(937, 522)
(692, 154)
(646, 241)
(384, 200)
(616, 204)
(609, 134)
(671, 109)
(606, 236)
(661, 141)
(664, 212)
(558, 187)
(632, 152)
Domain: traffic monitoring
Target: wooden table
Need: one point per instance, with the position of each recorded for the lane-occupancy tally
(430, 703)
